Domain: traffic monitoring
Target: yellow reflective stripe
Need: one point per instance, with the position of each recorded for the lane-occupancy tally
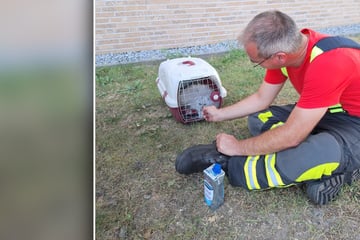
(250, 172)
(272, 175)
(276, 125)
(284, 71)
(318, 171)
(316, 51)
(336, 108)
(264, 117)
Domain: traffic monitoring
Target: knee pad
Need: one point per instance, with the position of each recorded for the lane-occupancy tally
(319, 155)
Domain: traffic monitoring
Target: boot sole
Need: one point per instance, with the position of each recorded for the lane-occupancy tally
(322, 192)
(355, 175)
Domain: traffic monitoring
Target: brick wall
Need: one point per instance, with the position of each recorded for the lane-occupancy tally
(137, 25)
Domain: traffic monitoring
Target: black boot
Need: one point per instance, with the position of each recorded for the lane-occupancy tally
(351, 177)
(197, 158)
(323, 191)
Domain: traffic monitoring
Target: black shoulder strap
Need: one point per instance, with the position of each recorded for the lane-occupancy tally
(329, 43)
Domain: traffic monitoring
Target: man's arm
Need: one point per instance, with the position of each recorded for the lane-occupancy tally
(297, 127)
(260, 100)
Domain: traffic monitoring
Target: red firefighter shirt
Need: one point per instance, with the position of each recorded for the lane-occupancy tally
(332, 77)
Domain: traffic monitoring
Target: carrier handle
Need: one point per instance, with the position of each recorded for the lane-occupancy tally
(188, 62)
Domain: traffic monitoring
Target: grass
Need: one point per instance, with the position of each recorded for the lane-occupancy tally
(140, 196)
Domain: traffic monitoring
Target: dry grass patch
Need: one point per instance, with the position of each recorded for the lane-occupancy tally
(140, 196)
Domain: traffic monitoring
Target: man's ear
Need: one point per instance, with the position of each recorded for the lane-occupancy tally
(281, 57)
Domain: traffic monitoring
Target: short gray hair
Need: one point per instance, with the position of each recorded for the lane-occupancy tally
(272, 32)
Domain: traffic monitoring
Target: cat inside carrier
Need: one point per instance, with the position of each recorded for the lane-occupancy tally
(187, 85)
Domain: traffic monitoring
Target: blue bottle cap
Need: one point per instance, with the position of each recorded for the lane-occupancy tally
(216, 168)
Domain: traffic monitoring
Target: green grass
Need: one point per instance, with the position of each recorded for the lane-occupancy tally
(139, 195)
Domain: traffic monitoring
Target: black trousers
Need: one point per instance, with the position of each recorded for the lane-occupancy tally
(332, 148)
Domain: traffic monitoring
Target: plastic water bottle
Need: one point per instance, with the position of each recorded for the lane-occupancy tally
(214, 186)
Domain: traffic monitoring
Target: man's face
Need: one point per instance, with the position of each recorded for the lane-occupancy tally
(268, 62)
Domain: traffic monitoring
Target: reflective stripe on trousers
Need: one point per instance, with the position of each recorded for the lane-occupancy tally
(319, 155)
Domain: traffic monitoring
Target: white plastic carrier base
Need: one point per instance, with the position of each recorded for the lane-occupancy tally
(187, 85)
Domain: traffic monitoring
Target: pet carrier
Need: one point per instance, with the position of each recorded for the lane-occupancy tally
(187, 85)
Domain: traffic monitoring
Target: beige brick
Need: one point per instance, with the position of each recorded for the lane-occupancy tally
(159, 24)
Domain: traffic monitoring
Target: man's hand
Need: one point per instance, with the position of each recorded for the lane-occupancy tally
(227, 144)
(258, 101)
(211, 114)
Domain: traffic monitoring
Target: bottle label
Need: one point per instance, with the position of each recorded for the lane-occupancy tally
(208, 193)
